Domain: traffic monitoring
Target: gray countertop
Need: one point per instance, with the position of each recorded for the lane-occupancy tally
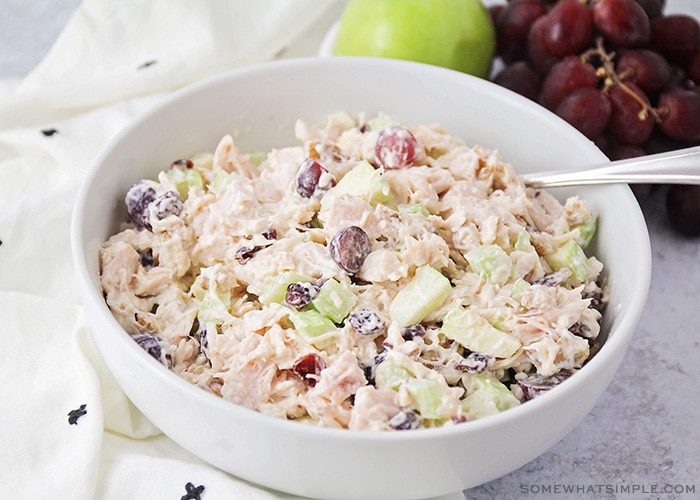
(642, 438)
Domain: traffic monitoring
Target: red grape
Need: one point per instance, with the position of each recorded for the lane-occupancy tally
(630, 123)
(693, 67)
(660, 143)
(679, 79)
(349, 248)
(308, 177)
(513, 25)
(675, 36)
(648, 69)
(616, 151)
(587, 109)
(653, 8)
(568, 75)
(522, 78)
(569, 28)
(683, 207)
(495, 11)
(682, 121)
(396, 147)
(541, 59)
(622, 72)
(623, 23)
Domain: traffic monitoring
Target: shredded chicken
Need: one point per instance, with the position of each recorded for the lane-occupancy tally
(208, 280)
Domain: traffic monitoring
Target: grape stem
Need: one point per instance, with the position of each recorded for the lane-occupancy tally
(609, 76)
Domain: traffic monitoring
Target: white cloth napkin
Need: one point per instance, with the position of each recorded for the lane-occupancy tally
(67, 430)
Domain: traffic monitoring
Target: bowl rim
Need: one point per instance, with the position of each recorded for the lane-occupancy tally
(624, 329)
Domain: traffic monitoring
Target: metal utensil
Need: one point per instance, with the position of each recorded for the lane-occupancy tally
(674, 167)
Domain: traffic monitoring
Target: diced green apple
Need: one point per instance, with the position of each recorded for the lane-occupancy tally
(221, 181)
(277, 290)
(427, 397)
(389, 375)
(313, 324)
(587, 231)
(518, 288)
(425, 293)
(366, 182)
(334, 300)
(491, 262)
(413, 208)
(476, 334)
(570, 255)
(184, 179)
(488, 397)
(213, 307)
(522, 243)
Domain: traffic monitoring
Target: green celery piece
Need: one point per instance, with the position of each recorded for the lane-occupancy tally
(425, 293)
(413, 208)
(334, 300)
(570, 255)
(312, 324)
(344, 118)
(184, 179)
(221, 181)
(366, 182)
(214, 307)
(488, 397)
(389, 375)
(427, 396)
(491, 262)
(518, 288)
(196, 289)
(587, 231)
(382, 120)
(257, 157)
(522, 242)
(476, 334)
(276, 291)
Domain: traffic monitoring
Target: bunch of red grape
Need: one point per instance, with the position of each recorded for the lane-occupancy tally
(622, 72)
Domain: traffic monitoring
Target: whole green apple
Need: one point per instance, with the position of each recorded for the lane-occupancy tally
(456, 34)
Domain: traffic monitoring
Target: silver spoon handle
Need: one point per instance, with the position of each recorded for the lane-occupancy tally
(674, 167)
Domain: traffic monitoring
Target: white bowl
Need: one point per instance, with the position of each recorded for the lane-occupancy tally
(260, 104)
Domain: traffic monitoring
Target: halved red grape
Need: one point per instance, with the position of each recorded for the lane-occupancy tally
(312, 176)
(349, 248)
(623, 23)
(396, 147)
